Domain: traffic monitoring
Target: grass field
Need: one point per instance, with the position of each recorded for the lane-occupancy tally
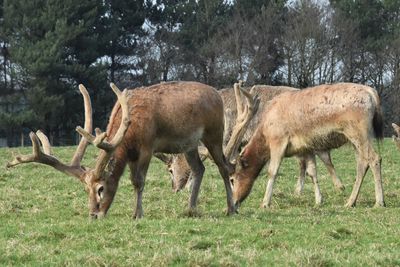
(44, 220)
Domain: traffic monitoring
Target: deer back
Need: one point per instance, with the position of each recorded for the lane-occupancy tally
(316, 118)
(168, 117)
(265, 92)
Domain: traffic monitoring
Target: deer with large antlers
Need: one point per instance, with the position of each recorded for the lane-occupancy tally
(170, 117)
(180, 170)
(315, 119)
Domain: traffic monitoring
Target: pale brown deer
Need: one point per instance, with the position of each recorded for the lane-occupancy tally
(171, 117)
(180, 170)
(396, 138)
(319, 118)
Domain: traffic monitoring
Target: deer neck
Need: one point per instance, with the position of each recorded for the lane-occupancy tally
(255, 155)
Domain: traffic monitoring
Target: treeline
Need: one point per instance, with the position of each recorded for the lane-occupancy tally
(48, 47)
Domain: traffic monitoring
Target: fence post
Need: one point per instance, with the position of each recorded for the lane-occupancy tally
(22, 139)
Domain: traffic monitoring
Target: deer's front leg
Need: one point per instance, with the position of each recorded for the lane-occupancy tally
(138, 176)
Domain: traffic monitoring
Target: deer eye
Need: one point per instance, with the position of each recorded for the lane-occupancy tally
(100, 191)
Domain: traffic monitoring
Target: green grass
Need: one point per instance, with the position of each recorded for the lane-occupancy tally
(44, 220)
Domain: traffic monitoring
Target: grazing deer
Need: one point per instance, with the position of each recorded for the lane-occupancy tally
(168, 117)
(180, 170)
(315, 119)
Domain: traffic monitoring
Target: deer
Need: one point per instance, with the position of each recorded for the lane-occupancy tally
(171, 117)
(180, 170)
(396, 138)
(320, 118)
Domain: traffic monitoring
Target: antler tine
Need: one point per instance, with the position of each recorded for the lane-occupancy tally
(81, 149)
(99, 140)
(238, 96)
(45, 142)
(34, 157)
(245, 113)
(125, 121)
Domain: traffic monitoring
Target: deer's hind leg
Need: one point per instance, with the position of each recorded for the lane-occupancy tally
(225, 169)
(302, 176)
(197, 167)
(366, 157)
(312, 171)
(325, 157)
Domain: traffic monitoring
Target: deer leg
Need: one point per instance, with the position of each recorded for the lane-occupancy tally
(362, 167)
(312, 171)
(189, 183)
(225, 169)
(325, 157)
(138, 176)
(374, 161)
(197, 167)
(302, 176)
(277, 153)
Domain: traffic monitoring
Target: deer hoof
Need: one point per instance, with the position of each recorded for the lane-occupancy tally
(193, 213)
(340, 187)
(380, 205)
(350, 205)
(298, 191)
(230, 212)
(265, 206)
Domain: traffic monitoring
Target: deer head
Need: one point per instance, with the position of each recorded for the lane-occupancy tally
(92, 178)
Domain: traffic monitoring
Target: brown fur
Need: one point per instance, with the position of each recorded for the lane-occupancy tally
(180, 171)
(314, 119)
(166, 118)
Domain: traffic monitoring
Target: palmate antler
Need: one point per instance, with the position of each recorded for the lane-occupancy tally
(245, 111)
(46, 156)
(108, 147)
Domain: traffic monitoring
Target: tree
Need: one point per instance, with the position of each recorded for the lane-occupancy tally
(49, 40)
(121, 29)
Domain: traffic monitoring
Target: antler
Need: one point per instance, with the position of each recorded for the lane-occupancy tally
(396, 139)
(245, 112)
(46, 156)
(100, 141)
(81, 149)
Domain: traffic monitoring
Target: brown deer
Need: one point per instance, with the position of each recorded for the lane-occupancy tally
(170, 117)
(180, 170)
(315, 119)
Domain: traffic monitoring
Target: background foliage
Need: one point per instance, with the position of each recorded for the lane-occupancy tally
(48, 47)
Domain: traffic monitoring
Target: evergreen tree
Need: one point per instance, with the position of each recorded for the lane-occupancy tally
(54, 43)
(121, 29)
